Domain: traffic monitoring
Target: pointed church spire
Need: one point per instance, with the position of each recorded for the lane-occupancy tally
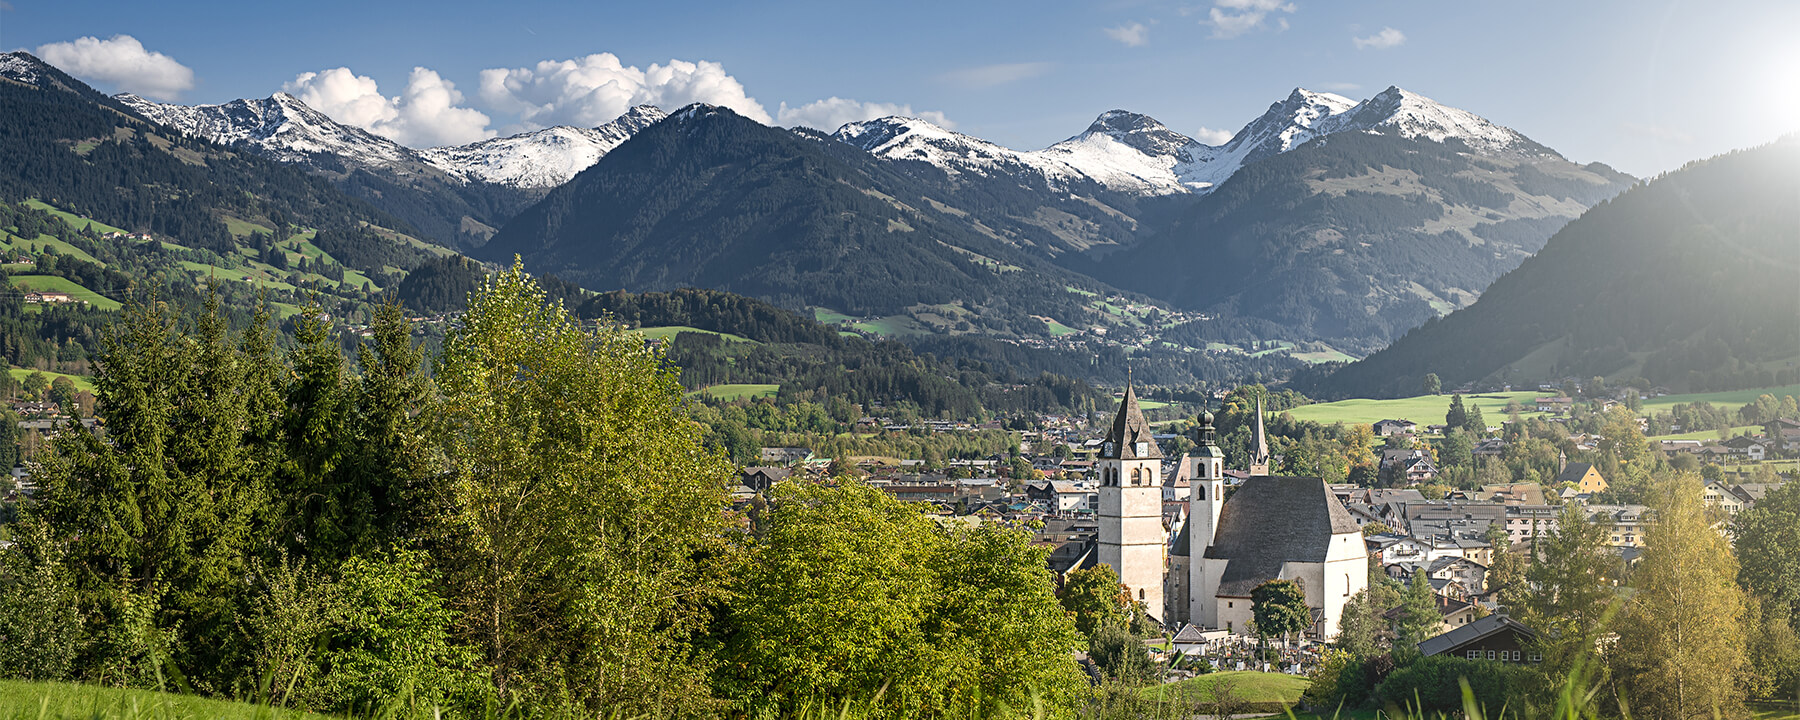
(1130, 437)
(1259, 457)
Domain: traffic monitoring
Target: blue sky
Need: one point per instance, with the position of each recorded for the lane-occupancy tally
(1644, 85)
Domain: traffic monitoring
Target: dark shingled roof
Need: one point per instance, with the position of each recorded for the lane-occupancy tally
(1272, 520)
(1471, 632)
(1128, 429)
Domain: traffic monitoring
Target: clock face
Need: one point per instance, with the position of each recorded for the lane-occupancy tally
(1143, 448)
(1109, 449)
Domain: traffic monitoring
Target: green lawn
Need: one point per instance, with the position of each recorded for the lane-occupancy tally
(1709, 434)
(65, 701)
(71, 219)
(1058, 329)
(829, 316)
(737, 392)
(1424, 409)
(44, 242)
(243, 228)
(82, 382)
(52, 283)
(1731, 399)
(668, 332)
(1250, 686)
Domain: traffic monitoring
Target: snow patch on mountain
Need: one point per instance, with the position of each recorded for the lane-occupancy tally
(279, 126)
(902, 138)
(1411, 115)
(540, 159)
(21, 66)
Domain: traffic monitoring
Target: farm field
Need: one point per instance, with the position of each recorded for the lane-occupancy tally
(1730, 399)
(52, 283)
(82, 382)
(1422, 409)
(71, 219)
(668, 332)
(737, 392)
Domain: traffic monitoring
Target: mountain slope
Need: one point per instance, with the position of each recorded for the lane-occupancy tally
(444, 207)
(1686, 281)
(1355, 236)
(707, 198)
(92, 154)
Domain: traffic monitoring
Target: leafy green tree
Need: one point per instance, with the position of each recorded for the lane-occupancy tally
(581, 508)
(62, 392)
(1767, 539)
(1432, 385)
(1093, 596)
(849, 591)
(1680, 649)
(35, 384)
(1278, 607)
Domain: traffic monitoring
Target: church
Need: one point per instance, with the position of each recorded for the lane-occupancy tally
(1270, 528)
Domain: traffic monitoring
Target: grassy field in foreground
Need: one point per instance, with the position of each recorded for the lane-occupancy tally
(64, 701)
(1423, 409)
(1250, 686)
(737, 392)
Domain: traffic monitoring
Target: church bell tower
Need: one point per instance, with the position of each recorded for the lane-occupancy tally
(1132, 539)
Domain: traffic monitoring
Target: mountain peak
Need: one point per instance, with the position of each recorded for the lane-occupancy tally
(1411, 115)
(541, 159)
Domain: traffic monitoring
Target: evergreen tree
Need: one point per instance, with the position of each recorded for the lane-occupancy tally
(1418, 618)
(1457, 417)
(1571, 578)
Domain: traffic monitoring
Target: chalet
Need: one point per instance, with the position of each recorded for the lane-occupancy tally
(1627, 523)
(1524, 522)
(1673, 448)
(1558, 405)
(1491, 448)
(1467, 573)
(1420, 470)
(1495, 637)
(48, 298)
(785, 456)
(760, 479)
(1747, 448)
(1719, 495)
(1583, 476)
(1387, 428)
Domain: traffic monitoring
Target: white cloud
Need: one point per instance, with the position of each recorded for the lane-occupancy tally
(592, 90)
(1231, 18)
(425, 114)
(987, 76)
(1387, 38)
(122, 62)
(835, 112)
(1210, 136)
(1132, 34)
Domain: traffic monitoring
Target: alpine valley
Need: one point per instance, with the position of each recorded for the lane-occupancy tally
(1323, 230)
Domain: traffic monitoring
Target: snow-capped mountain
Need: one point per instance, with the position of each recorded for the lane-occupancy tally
(280, 127)
(904, 138)
(1129, 152)
(541, 159)
(1415, 116)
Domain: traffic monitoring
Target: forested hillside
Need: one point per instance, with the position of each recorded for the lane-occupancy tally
(808, 359)
(1686, 281)
(707, 198)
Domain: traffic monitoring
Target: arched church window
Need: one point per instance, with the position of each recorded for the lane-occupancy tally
(1200, 493)
(1346, 584)
(1137, 476)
